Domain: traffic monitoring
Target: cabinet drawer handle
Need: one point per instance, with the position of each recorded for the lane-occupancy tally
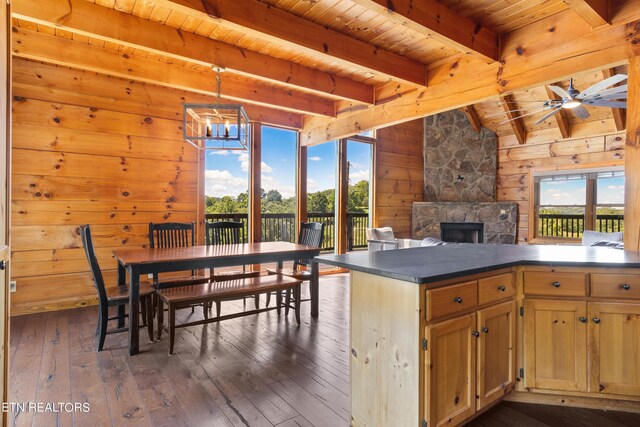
(501, 288)
(596, 320)
(556, 284)
(485, 329)
(625, 286)
(475, 334)
(458, 300)
(583, 319)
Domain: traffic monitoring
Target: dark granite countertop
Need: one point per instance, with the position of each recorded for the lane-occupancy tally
(429, 264)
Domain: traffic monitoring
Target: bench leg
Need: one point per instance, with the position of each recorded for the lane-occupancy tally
(257, 300)
(218, 308)
(205, 310)
(296, 293)
(172, 327)
(278, 301)
(269, 300)
(288, 303)
(160, 316)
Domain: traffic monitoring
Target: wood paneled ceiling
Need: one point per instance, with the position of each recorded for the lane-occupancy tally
(336, 67)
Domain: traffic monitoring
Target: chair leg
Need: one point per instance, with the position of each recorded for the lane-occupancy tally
(172, 327)
(99, 322)
(218, 308)
(103, 319)
(143, 311)
(278, 302)
(149, 316)
(297, 292)
(205, 310)
(268, 300)
(121, 314)
(160, 316)
(256, 301)
(287, 302)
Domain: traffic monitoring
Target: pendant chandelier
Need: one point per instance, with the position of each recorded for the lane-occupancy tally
(216, 126)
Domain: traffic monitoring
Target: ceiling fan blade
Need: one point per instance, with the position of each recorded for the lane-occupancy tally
(546, 116)
(606, 103)
(525, 115)
(602, 85)
(615, 89)
(581, 112)
(559, 91)
(610, 96)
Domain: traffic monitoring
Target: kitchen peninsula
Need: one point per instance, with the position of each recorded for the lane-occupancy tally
(440, 334)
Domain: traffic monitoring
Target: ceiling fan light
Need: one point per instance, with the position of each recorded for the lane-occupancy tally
(573, 103)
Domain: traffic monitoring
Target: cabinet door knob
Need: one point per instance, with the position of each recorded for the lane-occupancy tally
(501, 288)
(556, 284)
(625, 286)
(475, 334)
(596, 320)
(485, 329)
(458, 300)
(583, 319)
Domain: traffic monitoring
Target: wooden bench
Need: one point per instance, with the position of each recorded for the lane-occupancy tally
(186, 296)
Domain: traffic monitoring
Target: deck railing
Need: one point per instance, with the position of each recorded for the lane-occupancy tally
(281, 227)
(572, 226)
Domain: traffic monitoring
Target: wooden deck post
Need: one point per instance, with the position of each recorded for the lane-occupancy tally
(255, 182)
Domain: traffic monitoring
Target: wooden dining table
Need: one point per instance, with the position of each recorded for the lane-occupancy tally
(144, 261)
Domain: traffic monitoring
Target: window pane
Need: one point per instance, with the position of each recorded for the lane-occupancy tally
(321, 189)
(561, 221)
(569, 192)
(610, 209)
(278, 181)
(359, 158)
(562, 206)
(611, 191)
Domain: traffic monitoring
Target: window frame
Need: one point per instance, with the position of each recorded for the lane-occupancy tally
(590, 201)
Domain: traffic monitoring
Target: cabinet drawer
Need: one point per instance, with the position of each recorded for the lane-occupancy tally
(451, 299)
(555, 284)
(622, 286)
(496, 288)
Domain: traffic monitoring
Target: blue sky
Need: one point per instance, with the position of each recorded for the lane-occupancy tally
(572, 192)
(227, 171)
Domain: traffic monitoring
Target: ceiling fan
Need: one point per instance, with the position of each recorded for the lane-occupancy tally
(572, 99)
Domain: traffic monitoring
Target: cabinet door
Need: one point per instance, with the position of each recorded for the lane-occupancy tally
(450, 371)
(614, 348)
(555, 341)
(496, 352)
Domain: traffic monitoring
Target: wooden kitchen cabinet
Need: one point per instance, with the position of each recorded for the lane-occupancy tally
(555, 340)
(450, 370)
(496, 352)
(614, 348)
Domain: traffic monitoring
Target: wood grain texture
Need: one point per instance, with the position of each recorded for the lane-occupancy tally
(78, 159)
(632, 159)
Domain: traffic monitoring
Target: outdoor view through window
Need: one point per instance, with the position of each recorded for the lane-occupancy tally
(227, 184)
(569, 203)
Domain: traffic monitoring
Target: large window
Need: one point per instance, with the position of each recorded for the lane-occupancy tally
(566, 204)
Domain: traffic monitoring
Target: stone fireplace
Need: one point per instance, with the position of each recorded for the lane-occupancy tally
(460, 184)
(462, 232)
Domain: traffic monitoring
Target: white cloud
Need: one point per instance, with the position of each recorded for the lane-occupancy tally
(312, 185)
(243, 158)
(221, 183)
(358, 176)
(266, 168)
(219, 152)
(269, 182)
(315, 158)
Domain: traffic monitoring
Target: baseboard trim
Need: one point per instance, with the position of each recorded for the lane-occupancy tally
(609, 403)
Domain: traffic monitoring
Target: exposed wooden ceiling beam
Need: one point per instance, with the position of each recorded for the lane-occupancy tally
(595, 12)
(561, 117)
(82, 17)
(548, 50)
(473, 118)
(56, 50)
(261, 20)
(441, 24)
(508, 104)
(619, 114)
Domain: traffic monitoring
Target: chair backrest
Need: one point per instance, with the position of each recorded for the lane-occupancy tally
(311, 234)
(382, 245)
(382, 233)
(171, 234)
(224, 233)
(89, 251)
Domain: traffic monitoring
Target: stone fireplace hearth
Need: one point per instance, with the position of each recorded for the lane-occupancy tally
(460, 181)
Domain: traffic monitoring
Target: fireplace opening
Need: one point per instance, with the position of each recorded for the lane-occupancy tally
(462, 232)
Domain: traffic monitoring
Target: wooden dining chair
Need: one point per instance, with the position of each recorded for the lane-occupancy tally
(174, 235)
(228, 233)
(114, 296)
(311, 234)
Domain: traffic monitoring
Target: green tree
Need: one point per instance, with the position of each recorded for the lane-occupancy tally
(274, 196)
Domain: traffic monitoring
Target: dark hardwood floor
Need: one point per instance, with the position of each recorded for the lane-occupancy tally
(252, 371)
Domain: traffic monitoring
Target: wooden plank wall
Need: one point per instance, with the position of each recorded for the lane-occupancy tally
(90, 149)
(515, 161)
(399, 175)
